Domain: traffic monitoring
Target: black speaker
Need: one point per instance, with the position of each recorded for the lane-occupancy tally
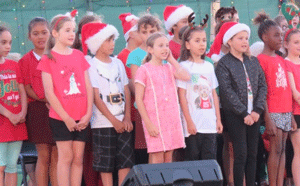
(187, 173)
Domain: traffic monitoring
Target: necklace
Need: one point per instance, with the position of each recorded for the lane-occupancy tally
(164, 81)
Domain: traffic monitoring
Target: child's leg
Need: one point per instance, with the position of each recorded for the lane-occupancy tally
(3, 157)
(122, 174)
(168, 156)
(281, 168)
(156, 157)
(107, 178)
(53, 166)
(30, 169)
(209, 147)
(42, 165)
(13, 152)
(228, 158)
(295, 138)
(275, 158)
(65, 158)
(77, 163)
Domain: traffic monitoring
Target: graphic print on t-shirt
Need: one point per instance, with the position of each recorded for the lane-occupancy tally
(73, 86)
(203, 88)
(9, 88)
(70, 76)
(281, 77)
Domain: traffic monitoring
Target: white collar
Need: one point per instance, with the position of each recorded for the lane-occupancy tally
(37, 56)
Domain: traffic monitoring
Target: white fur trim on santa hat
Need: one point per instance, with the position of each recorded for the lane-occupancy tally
(126, 35)
(257, 48)
(234, 30)
(176, 16)
(215, 58)
(131, 17)
(94, 42)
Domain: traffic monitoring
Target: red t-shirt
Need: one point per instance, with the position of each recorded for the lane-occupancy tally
(67, 73)
(28, 66)
(279, 97)
(175, 49)
(10, 77)
(295, 69)
(123, 55)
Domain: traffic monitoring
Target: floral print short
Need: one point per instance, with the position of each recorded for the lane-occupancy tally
(282, 120)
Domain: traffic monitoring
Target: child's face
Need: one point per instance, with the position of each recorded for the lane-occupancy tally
(236, 18)
(273, 38)
(66, 35)
(108, 46)
(180, 24)
(145, 31)
(5, 43)
(136, 37)
(284, 25)
(293, 46)
(295, 21)
(226, 17)
(239, 42)
(39, 35)
(160, 48)
(197, 44)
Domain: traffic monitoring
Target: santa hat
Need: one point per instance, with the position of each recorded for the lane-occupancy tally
(227, 31)
(94, 34)
(129, 24)
(257, 48)
(173, 14)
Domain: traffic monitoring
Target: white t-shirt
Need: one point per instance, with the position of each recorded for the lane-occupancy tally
(110, 79)
(199, 96)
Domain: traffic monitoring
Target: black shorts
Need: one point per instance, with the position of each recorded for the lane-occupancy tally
(61, 132)
(201, 147)
(112, 150)
(297, 119)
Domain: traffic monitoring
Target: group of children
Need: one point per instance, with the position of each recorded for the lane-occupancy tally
(71, 87)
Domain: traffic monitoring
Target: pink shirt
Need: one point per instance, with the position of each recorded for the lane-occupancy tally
(295, 69)
(10, 99)
(279, 97)
(67, 73)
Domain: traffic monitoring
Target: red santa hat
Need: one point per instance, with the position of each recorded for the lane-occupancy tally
(227, 31)
(173, 14)
(94, 34)
(129, 24)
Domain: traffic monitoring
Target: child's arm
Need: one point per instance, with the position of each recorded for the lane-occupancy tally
(118, 125)
(54, 102)
(140, 90)
(13, 118)
(133, 69)
(180, 73)
(296, 94)
(217, 108)
(270, 126)
(23, 97)
(127, 117)
(185, 110)
(30, 92)
(84, 121)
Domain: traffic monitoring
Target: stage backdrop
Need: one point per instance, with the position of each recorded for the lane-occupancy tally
(16, 14)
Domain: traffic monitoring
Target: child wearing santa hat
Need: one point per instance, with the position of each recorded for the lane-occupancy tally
(243, 93)
(175, 18)
(111, 124)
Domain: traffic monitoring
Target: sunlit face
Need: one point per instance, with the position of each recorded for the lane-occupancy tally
(160, 49)
(108, 46)
(240, 42)
(5, 43)
(65, 35)
(197, 44)
(39, 35)
(293, 45)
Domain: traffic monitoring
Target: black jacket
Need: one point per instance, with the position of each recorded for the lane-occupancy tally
(233, 84)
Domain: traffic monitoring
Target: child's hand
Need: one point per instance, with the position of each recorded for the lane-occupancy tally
(270, 128)
(128, 125)
(219, 127)
(15, 119)
(248, 120)
(191, 128)
(152, 129)
(48, 105)
(23, 118)
(255, 116)
(294, 125)
(71, 124)
(296, 97)
(170, 57)
(83, 123)
(119, 126)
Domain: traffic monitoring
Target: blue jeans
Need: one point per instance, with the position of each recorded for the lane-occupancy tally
(9, 154)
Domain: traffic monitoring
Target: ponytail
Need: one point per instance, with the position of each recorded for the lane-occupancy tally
(147, 58)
